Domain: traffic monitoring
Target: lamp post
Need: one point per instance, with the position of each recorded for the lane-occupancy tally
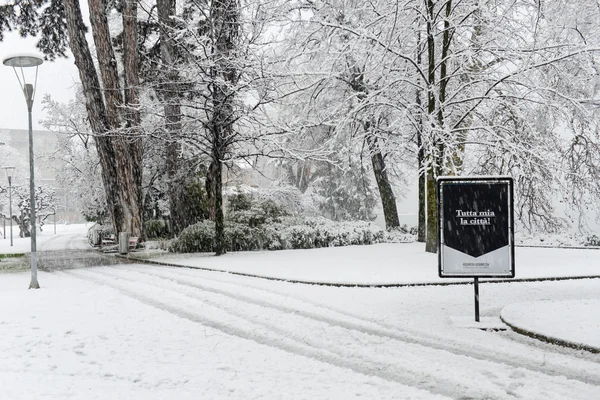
(20, 61)
(9, 172)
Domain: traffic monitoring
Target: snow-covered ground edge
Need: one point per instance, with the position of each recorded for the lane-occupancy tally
(376, 265)
(570, 323)
(562, 240)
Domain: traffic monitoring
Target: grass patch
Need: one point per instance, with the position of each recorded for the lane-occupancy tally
(13, 263)
(12, 255)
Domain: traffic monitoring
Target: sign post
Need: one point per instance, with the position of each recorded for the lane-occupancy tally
(476, 230)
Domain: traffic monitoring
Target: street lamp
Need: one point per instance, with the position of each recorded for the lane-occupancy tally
(9, 173)
(21, 61)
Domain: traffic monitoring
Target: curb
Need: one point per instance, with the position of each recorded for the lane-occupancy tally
(357, 285)
(550, 339)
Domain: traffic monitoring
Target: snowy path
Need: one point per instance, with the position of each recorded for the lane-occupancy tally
(456, 368)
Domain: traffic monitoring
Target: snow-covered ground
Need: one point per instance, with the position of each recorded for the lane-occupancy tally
(71, 237)
(138, 331)
(572, 321)
(381, 264)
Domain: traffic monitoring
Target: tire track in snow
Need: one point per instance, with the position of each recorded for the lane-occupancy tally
(371, 352)
(541, 363)
(232, 325)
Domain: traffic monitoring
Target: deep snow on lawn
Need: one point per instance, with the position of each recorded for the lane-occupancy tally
(573, 321)
(72, 237)
(83, 340)
(144, 332)
(72, 339)
(385, 263)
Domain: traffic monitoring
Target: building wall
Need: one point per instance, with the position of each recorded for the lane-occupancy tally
(44, 145)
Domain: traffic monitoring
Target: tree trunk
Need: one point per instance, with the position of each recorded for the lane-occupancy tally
(169, 94)
(421, 227)
(120, 159)
(95, 107)
(211, 189)
(132, 142)
(432, 156)
(431, 243)
(125, 173)
(437, 154)
(225, 23)
(388, 201)
(220, 245)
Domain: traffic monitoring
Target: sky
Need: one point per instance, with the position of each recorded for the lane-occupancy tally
(57, 78)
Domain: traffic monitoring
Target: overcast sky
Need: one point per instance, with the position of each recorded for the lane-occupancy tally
(56, 78)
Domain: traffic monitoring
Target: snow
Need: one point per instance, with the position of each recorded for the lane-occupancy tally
(382, 264)
(71, 237)
(572, 321)
(141, 331)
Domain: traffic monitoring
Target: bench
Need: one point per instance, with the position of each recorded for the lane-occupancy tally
(133, 242)
(109, 240)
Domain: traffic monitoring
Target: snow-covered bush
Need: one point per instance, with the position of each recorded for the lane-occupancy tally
(199, 237)
(298, 237)
(244, 210)
(156, 229)
(241, 237)
(288, 198)
(260, 223)
(99, 231)
(592, 241)
(289, 233)
(404, 235)
(556, 240)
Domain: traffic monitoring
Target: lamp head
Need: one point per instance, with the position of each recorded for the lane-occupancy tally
(20, 61)
(9, 171)
(23, 60)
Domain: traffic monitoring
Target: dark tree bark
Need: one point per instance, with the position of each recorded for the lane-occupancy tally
(438, 152)
(131, 142)
(170, 95)
(432, 165)
(95, 107)
(421, 228)
(224, 74)
(388, 200)
(211, 189)
(120, 157)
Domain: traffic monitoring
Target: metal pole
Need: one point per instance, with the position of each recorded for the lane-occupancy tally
(10, 207)
(34, 281)
(476, 299)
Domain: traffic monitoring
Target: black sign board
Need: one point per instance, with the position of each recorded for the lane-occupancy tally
(476, 232)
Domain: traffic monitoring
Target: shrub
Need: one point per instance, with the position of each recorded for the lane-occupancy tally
(103, 231)
(199, 237)
(241, 237)
(299, 237)
(288, 233)
(592, 241)
(156, 229)
(255, 214)
(240, 202)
